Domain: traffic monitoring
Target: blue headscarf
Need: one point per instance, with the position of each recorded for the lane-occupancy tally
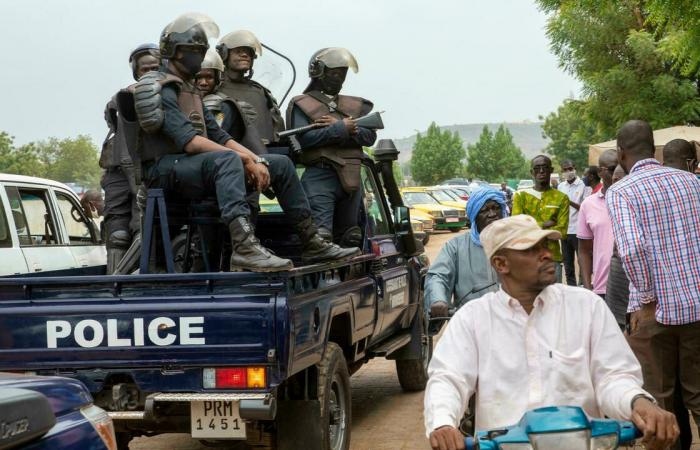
(476, 201)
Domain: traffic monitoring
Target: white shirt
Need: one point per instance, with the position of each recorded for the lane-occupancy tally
(576, 192)
(568, 351)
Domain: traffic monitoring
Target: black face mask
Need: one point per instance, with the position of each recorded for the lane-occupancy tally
(331, 86)
(191, 62)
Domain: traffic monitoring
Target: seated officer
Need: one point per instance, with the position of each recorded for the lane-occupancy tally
(184, 150)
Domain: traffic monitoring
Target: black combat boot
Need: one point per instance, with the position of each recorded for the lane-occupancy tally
(316, 249)
(248, 254)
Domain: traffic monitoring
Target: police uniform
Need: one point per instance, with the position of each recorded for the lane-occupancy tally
(289, 192)
(258, 106)
(332, 157)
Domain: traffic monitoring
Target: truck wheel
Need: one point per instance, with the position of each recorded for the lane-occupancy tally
(454, 229)
(413, 373)
(426, 239)
(334, 396)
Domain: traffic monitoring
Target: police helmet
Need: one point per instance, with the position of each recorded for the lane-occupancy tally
(331, 58)
(240, 38)
(212, 60)
(192, 29)
(143, 49)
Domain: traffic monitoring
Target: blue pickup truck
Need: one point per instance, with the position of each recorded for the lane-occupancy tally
(260, 358)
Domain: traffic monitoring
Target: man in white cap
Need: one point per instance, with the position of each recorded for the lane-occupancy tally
(534, 343)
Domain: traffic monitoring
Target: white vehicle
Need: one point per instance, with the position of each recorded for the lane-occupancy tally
(43, 229)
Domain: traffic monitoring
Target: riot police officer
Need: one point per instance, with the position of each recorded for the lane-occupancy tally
(238, 51)
(229, 115)
(332, 151)
(183, 150)
(121, 216)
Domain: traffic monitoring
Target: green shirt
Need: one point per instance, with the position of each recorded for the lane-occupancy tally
(543, 206)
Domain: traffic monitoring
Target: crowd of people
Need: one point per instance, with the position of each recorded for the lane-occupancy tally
(196, 125)
(621, 340)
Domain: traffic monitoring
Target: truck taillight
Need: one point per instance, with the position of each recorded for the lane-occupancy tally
(235, 378)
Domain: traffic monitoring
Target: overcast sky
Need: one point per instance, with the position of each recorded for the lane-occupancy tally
(448, 61)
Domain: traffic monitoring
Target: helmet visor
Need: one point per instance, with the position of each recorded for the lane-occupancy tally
(334, 57)
(188, 20)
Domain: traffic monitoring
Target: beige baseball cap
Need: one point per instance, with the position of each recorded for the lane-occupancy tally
(516, 232)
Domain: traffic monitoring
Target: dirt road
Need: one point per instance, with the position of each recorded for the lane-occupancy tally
(384, 417)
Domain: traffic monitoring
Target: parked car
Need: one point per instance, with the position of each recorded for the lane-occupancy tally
(43, 228)
(444, 217)
(427, 224)
(38, 413)
(525, 184)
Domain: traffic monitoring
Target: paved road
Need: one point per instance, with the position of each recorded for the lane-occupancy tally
(384, 417)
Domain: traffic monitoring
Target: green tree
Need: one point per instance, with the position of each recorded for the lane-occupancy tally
(70, 160)
(570, 133)
(678, 21)
(436, 156)
(24, 160)
(495, 157)
(626, 68)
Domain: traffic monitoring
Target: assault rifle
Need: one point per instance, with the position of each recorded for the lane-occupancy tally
(373, 121)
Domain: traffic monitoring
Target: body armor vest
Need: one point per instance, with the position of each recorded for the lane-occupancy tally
(154, 145)
(344, 157)
(248, 135)
(253, 97)
(115, 152)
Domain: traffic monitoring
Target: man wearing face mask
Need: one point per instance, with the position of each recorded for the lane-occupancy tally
(332, 152)
(574, 188)
(591, 178)
(185, 152)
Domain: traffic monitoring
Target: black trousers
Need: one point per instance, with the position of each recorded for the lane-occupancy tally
(569, 250)
(121, 211)
(221, 174)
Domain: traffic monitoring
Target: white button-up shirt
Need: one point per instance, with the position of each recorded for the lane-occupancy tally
(576, 192)
(568, 351)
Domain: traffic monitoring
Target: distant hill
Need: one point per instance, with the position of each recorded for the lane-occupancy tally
(527, 136)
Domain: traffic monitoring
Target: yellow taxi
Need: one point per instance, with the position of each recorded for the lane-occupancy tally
(444, 217)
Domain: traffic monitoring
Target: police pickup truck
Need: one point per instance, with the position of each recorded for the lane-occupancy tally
(260, 358)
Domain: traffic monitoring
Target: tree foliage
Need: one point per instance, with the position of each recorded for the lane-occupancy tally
(436, 156)
(628, 66)
(65, 160)
(495, 157)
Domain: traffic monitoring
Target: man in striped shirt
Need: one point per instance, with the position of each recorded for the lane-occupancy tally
(656, 226)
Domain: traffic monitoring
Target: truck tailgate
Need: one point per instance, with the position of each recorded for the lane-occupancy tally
(153, 320)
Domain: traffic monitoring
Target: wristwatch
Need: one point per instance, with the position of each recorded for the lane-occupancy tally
(261, 160)
(638, 396)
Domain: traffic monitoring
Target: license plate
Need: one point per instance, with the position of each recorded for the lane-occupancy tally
(452, 219)
(216, 419)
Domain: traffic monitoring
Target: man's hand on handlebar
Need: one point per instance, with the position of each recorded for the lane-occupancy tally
(439, 309)
(659, 427)
(446, 438)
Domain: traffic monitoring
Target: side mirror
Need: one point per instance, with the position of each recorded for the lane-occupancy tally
(402, 220)
(404, 232)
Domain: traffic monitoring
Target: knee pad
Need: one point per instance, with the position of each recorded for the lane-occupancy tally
(119, 239)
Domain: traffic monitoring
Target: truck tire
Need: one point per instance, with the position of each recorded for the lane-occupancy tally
(335, 399)
(413, 373)
(454, 229)
(426, 239)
